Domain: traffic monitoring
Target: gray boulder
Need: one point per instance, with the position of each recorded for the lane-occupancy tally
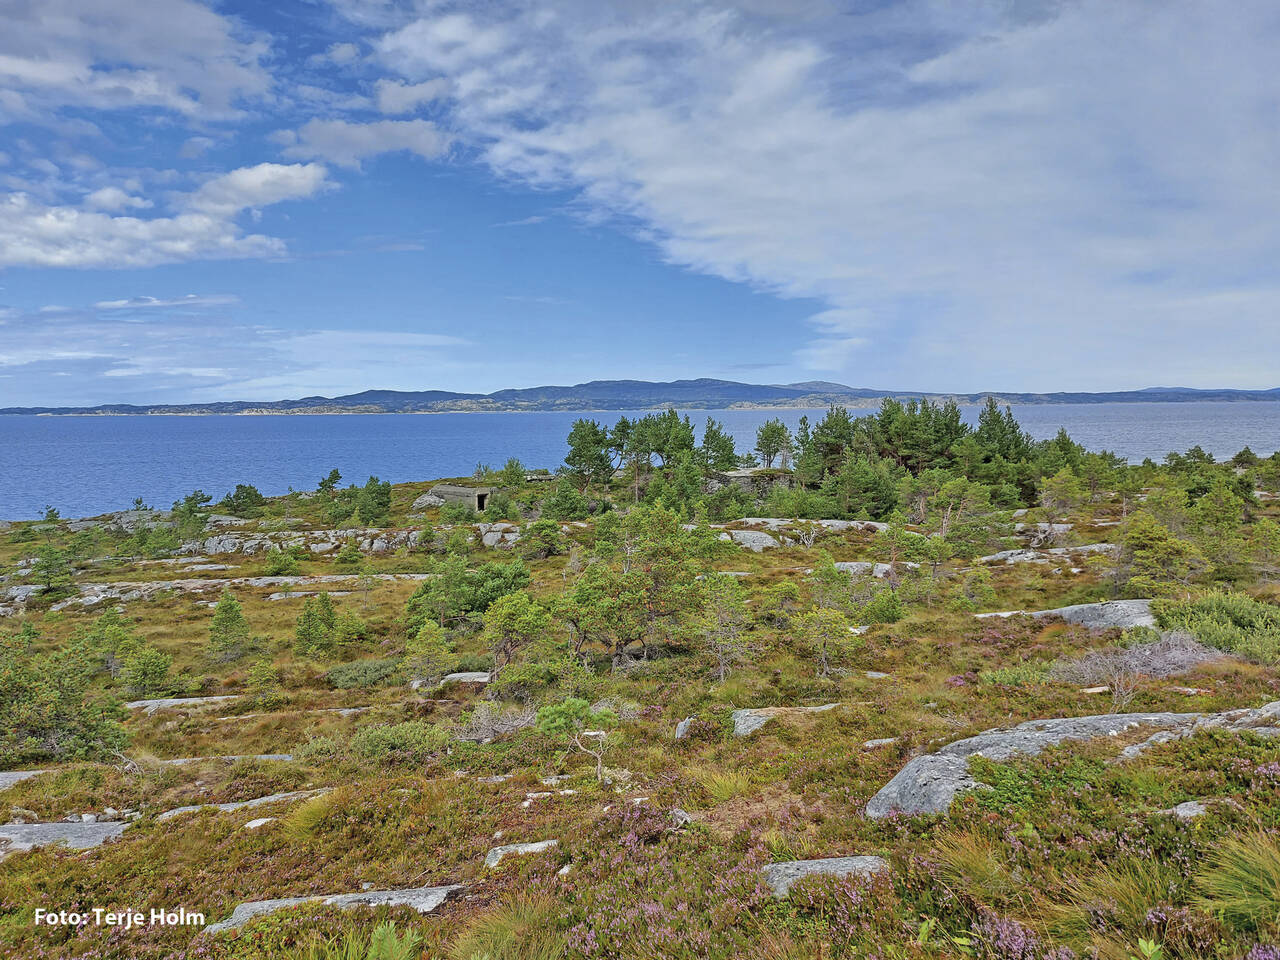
(470, 676)
(780, 876)
(929, 783)
(1188, 810)
(498, 854)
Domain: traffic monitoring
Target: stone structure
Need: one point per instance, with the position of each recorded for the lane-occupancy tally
(477, 498)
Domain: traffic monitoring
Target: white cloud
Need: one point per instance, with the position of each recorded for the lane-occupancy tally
(195, 147)
(150, 303)
(1007, 182)
(522, 222)
(258, 186)
(35, 234)
(171, 54)
(346, 144)
(114, 199)
(395, 97)
(342, 52)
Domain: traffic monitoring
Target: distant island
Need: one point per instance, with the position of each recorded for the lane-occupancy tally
(703, 393)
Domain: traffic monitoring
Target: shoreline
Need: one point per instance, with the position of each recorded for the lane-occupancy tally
(858, 403)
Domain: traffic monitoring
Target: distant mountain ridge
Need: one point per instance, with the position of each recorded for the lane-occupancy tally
(704, 393)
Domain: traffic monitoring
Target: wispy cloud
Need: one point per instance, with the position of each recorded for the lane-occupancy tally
(152, 303)
(173, 354)
(35, 234)
(1003, 183)
(530, 298)
(522, 222)
(347, 144)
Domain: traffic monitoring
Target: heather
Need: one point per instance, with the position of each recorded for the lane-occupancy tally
(410, 683)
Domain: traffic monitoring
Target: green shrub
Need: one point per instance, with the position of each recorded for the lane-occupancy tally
(45, 711)
(413, 741)
(1234, 622)
(319, 750)
(373, 503)
(566, 503)
(146, 671)
(455, 512)
(282, 563)
(542, 539)
(348, 556)
(246, 501)
(363, 673)
(474, 663)
(383, 944)
(884, 607)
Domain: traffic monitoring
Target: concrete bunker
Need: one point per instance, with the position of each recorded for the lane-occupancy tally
(477, 498)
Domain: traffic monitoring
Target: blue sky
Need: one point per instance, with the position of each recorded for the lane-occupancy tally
(238, 201)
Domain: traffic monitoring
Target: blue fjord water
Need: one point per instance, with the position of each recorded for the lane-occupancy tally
(90, 465)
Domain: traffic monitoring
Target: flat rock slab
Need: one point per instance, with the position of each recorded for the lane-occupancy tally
(422, 899)
(182, 761)
(303, 594)
(241, 804)
(93, 594)
(1107, 615)
(860, 568)
(1188, 810)
(77, 836)
(778, 523)
(471, 676)
(498, 854)
(930, 783)
(10, 778)
(753, 540)
(174, 703)
(1044, 556)
(747, 722)
(780, 876)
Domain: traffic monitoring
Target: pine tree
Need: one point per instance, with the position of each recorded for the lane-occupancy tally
(228, 631)
(312, 637)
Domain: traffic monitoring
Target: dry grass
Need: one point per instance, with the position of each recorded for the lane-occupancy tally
(524, 927)
(1241, 882)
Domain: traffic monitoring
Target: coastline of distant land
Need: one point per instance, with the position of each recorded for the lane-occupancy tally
(601, 396)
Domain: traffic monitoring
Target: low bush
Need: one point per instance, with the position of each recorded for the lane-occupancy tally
(365, 674)
(1234, 622)
(413, 741)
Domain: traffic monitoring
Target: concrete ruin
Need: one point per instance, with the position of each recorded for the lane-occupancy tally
(477, 498)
